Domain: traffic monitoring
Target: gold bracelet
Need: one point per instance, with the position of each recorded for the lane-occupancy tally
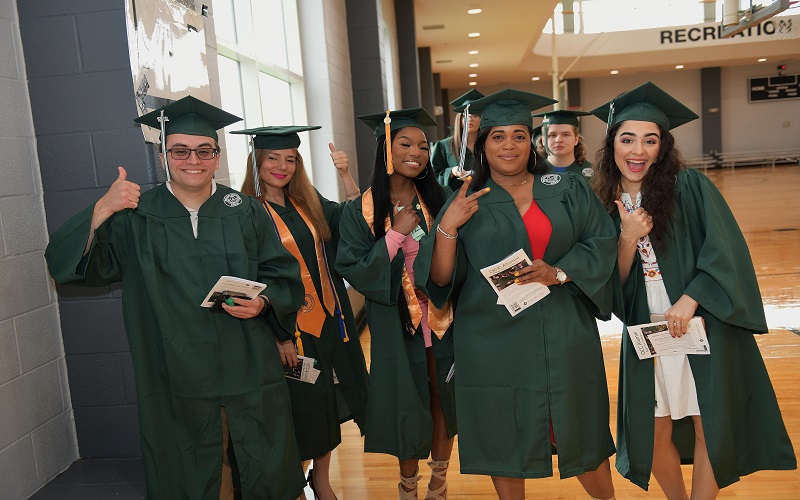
(446, 234)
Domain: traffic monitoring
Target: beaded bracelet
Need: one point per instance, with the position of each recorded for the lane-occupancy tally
(446, 234)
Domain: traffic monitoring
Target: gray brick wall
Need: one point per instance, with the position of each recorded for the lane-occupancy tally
(37, 431)
(81, 98)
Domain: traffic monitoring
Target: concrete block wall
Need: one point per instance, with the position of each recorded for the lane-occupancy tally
(81, 94)
(37, 431)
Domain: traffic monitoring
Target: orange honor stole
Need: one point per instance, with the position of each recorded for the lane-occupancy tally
(439, 320)
(313, 312)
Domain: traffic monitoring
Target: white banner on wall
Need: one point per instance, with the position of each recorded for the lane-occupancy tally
(167, 47)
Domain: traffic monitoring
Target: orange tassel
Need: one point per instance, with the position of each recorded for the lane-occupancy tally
(346, 337)
(387, 122)
(298, 343)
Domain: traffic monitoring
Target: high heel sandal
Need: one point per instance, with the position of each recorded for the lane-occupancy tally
(406, 483)
(438, 471)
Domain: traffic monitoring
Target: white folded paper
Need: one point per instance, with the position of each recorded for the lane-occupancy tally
(653, 339)
(304, 371)
(231, 286)
(515, 297)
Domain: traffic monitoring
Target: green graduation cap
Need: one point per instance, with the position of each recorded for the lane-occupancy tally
(189, 115)
(401, 118)
(471, 95)
(562, 117)
(276, 137)
(646, 103)
(507, 107)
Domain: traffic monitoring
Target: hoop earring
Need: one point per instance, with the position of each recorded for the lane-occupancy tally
(423, 175)
(535, 157)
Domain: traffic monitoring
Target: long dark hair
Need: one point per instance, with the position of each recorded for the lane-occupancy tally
(658, 193)
(480, 165)
(429, 190)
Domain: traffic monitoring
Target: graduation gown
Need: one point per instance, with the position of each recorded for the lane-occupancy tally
(706, 258)
(319, 409)
(399, 419)
(443, 161)
(188, 360)
(584, 169)
(517, 374)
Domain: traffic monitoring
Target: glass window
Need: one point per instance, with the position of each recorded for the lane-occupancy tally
(270, 33)
(224, 24)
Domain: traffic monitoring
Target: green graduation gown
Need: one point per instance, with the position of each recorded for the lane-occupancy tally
(443, 160)
(517, 374)
(320, 408)
(706, 258)
(584, 169)
(399, 419)
(189, 360)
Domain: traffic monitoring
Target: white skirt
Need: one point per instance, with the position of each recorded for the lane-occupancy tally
(676, 394)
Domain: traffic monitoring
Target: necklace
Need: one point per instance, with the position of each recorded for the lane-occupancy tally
(515, 183)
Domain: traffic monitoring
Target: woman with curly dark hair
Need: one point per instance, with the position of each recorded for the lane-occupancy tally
(530, 375)
(681, 255)
(411, 407)
(562, 144)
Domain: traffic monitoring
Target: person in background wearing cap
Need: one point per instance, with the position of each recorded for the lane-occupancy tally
(681, 254)
(410, 411)
(446, 155)
(528, 381)
(209, 382)
(308, 226)
(561, 143)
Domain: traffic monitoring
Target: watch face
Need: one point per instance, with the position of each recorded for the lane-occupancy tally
(561, 276)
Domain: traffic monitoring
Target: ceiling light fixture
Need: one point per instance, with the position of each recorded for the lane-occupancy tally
(763, 59)
(474, 11)
(535, 78)
(474, 65)
(473, 75)
(473, 83)
(614, 71)
(474, 35)
(473, 52)
(679, 66)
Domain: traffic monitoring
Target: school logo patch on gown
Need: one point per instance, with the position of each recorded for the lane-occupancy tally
(551, 179)
(587, 172)
(232, 199)
(308, 303)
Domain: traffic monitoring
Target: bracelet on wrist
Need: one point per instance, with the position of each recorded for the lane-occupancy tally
(446, 234)
(266, 305)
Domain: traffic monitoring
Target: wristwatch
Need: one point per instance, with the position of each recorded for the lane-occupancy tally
(561, 276)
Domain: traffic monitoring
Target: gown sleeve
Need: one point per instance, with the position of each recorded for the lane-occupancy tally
(725, 281)
(103, 263)
(439, 161)
(364, 262)
(279, 270)
(591, 262)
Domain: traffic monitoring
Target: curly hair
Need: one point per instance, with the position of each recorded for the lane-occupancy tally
(658, 193)
(580, 148)
(480, 165)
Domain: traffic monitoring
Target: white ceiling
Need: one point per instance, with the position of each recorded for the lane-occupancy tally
(510, 29)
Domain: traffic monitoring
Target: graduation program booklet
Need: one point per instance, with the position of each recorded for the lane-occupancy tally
(653, 339)
(304, 371)
(231, 286)
(514, 296)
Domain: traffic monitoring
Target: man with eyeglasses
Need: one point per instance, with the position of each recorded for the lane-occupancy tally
(214, 410)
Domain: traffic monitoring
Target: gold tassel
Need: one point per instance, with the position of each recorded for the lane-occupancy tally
(346, 337)
(298, 342)
(387, 122)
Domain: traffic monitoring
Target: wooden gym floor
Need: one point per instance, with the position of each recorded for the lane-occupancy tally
(766, 204)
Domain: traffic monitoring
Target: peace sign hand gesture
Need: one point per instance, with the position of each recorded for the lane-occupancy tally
(462, 208)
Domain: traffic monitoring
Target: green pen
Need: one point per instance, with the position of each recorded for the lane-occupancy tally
(230, 301)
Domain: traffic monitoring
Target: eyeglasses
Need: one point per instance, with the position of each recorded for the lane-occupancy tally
(184, 153)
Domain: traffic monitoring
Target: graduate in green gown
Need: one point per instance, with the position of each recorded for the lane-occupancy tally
(446, 154)
(562, 144)
(208, 380)
(681, 254)
(308, 225)
(536, 378)
(411, 410)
